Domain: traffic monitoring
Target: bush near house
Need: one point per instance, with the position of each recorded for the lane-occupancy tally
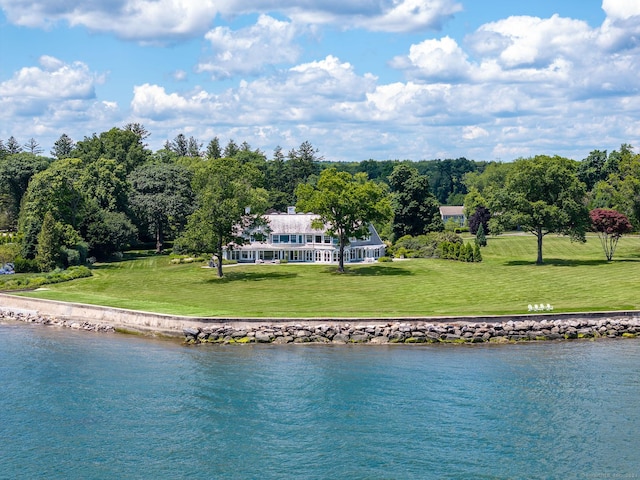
(423, 246)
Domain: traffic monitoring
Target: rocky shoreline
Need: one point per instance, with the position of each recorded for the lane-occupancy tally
(419, 332)
(29, 317)
(393, 332)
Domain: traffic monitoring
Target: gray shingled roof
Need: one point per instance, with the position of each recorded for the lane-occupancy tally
(299, 223)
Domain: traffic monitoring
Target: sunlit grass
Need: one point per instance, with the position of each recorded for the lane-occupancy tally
(575, 277)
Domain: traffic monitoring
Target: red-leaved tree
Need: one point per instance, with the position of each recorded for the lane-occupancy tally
(610, 225)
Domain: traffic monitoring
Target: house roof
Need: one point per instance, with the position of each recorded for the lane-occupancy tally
(452, 210)
(299, 223)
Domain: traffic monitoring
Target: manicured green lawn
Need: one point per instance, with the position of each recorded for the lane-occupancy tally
(575, 277)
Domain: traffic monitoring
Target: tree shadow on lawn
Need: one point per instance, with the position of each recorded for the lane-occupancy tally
(371, 271)
(251, 276)
(563, 262)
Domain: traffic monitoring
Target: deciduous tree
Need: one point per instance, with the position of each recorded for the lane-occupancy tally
(345, 205)
(479, 218)
(161, 197)
(415, 209)
(16, 172)
(543, 195)
(228, 204)
(610, 225)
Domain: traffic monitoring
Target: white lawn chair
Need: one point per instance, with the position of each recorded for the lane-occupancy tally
(530, 308)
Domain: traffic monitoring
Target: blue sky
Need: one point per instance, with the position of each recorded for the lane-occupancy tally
(359, 79)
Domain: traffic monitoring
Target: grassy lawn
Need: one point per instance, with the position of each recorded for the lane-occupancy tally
(575, 277)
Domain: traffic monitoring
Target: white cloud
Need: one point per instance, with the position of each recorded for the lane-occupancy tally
(437, 60)
(53, 96)
(162, 21)
(247, 51)
(473, 132)
(53, 80)
(621, 9)
(412, 15)
(144, 20)
(179, 75)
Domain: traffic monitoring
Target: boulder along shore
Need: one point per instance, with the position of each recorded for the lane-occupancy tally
(412, 333)
(418, 332)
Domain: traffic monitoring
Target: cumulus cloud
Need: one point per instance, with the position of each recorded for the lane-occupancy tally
(144, 20)
(43, 99)
(247, 51)
(308, 92)
(171, 20)
(552, 55)
(52, 80)
(383, 16)
(436, 60)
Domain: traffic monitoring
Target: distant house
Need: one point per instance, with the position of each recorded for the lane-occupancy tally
(453, 212)
(289, 236)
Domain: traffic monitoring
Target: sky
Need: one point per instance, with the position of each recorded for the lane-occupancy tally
(359, 79)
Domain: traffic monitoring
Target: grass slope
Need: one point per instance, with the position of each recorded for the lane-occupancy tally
(575, 277)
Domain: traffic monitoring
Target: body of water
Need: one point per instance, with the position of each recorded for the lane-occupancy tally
(75, 405)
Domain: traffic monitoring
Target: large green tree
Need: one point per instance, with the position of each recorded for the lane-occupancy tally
(415, 209)
(16, 172)
(227, 204)
(161, 198)
(57, 190)
(345, 204)
(542, 195)
(124, 146)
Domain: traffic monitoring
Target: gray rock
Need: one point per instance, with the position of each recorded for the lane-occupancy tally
(341, 338)
(264, 337)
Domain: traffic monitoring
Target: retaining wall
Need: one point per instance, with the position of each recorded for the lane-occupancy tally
(540, 326)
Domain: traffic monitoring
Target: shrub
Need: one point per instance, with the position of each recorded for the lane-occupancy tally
(481, 238)
(477, 254)
(72, 256)
(25, 265)
(385, 259)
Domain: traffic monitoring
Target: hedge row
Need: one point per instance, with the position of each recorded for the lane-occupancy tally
(11, 282)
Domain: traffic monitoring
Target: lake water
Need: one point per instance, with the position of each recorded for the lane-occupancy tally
(76, 405)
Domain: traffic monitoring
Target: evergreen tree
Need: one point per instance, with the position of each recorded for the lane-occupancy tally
(13, 146)
(481, 238)
(477, 254)
(32, 146)
(49, 248)
(180, 145)
(194, 147)
(231, 150)
(62, 147)
(213, 149)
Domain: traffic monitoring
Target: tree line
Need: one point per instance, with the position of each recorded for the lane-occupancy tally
(109, 191)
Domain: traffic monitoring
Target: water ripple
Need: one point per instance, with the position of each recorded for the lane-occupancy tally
(78, 405)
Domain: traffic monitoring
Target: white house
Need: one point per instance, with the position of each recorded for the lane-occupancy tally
(289, 236)
(453, 212)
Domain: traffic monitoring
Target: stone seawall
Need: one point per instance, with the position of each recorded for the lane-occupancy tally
(528, 327)
(420, 332)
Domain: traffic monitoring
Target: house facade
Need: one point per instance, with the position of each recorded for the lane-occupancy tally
(453, 212)
(289, 236)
